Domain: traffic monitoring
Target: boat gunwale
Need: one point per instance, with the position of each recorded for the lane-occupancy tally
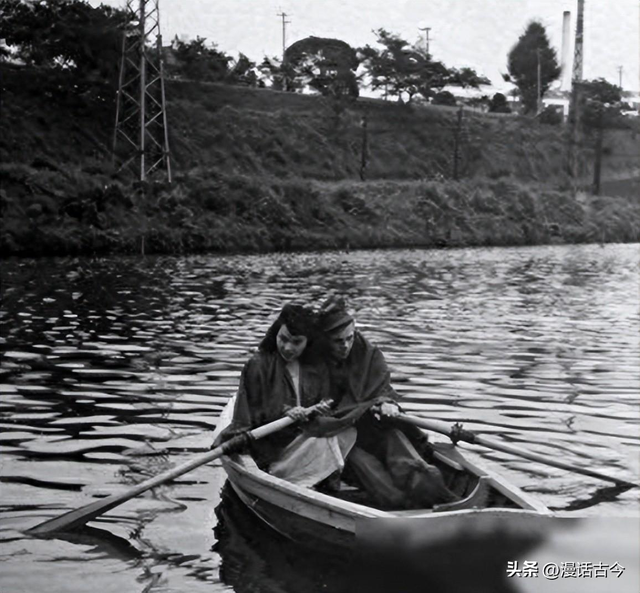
(525, 502)
(331, 503)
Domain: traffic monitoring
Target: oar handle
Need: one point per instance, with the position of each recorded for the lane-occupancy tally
(457, 433)
(80, 516)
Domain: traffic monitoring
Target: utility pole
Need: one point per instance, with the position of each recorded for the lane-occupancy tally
(620, 69)
(426, 36)
(285, 22)
(597, 166)
(456, 144)
(364, 150)
(283, 15)
(539, 102)
(141, 135)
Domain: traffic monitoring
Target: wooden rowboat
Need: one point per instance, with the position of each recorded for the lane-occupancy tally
(319, 520)
(461, 551)
(332, 521)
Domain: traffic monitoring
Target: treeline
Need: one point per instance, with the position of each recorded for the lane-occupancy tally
(84, 41)
(259, 170)
(74, 36)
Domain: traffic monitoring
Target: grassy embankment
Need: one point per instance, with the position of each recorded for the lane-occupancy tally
(261, 170)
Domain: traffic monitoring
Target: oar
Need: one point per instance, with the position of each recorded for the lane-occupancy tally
(80, 516)
(456, 433)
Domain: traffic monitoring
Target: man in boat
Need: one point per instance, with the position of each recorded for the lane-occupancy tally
(384, 459)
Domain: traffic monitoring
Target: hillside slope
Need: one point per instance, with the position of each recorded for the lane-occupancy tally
(258, 169)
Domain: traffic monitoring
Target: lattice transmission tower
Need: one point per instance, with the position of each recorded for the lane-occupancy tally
(578, 50)
(575, 105)
(141, 136)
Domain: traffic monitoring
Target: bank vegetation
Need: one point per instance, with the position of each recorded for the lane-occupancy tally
(259, 170)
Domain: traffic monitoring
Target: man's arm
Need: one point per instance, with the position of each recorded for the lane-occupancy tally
(387, 404)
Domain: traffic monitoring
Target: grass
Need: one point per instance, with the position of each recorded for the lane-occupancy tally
(208, 212)
(258, 170)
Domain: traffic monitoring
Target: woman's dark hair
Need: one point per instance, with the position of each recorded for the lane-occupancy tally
(300, 321)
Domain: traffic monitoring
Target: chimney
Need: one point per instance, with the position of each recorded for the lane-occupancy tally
(565, 65)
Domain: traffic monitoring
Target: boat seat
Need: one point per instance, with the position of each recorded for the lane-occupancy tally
(476, 500)
(344, 487)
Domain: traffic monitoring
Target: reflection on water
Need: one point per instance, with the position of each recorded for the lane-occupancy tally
(115, 369)
(256, 559)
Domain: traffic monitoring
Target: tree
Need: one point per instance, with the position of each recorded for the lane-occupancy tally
(467, 78)
(278, 75)
(499, 104)
(404, 70)
(326, 65)
(602, 104)
(64, 34)
(244, 72)
(197, 61)
(444, 98)
(602, 91)
(533, 48)
(401, 69)
(314, 72)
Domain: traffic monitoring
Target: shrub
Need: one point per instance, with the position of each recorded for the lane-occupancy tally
(444, 98)
(499, 104)
(551, 116)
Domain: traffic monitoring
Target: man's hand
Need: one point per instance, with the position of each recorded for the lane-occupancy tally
(299, 414)
(324, 407)
(387, 409)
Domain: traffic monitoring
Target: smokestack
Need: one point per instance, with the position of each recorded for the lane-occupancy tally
(578, 50)
(565, 77)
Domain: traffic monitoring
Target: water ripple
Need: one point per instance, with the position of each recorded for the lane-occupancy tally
(114, 369)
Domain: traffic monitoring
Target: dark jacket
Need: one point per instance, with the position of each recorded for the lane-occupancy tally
(357, 383)
(266, 392)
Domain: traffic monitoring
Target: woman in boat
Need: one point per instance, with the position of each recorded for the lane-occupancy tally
(285, 376)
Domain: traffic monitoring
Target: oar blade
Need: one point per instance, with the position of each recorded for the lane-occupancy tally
(75, 518)
(78, 517)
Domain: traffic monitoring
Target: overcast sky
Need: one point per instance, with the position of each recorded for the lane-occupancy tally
(476, 33)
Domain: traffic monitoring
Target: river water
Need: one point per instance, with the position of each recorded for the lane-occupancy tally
(115, 369)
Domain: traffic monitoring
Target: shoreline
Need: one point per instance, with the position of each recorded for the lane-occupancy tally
(270, 215)
(323, 250)
(258, 171)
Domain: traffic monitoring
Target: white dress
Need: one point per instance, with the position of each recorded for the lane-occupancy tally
(308, 460)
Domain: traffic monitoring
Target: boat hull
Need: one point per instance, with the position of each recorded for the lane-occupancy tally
(314, 533)
(322, 521)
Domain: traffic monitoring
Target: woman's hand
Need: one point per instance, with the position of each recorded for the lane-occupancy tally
(299, 414)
